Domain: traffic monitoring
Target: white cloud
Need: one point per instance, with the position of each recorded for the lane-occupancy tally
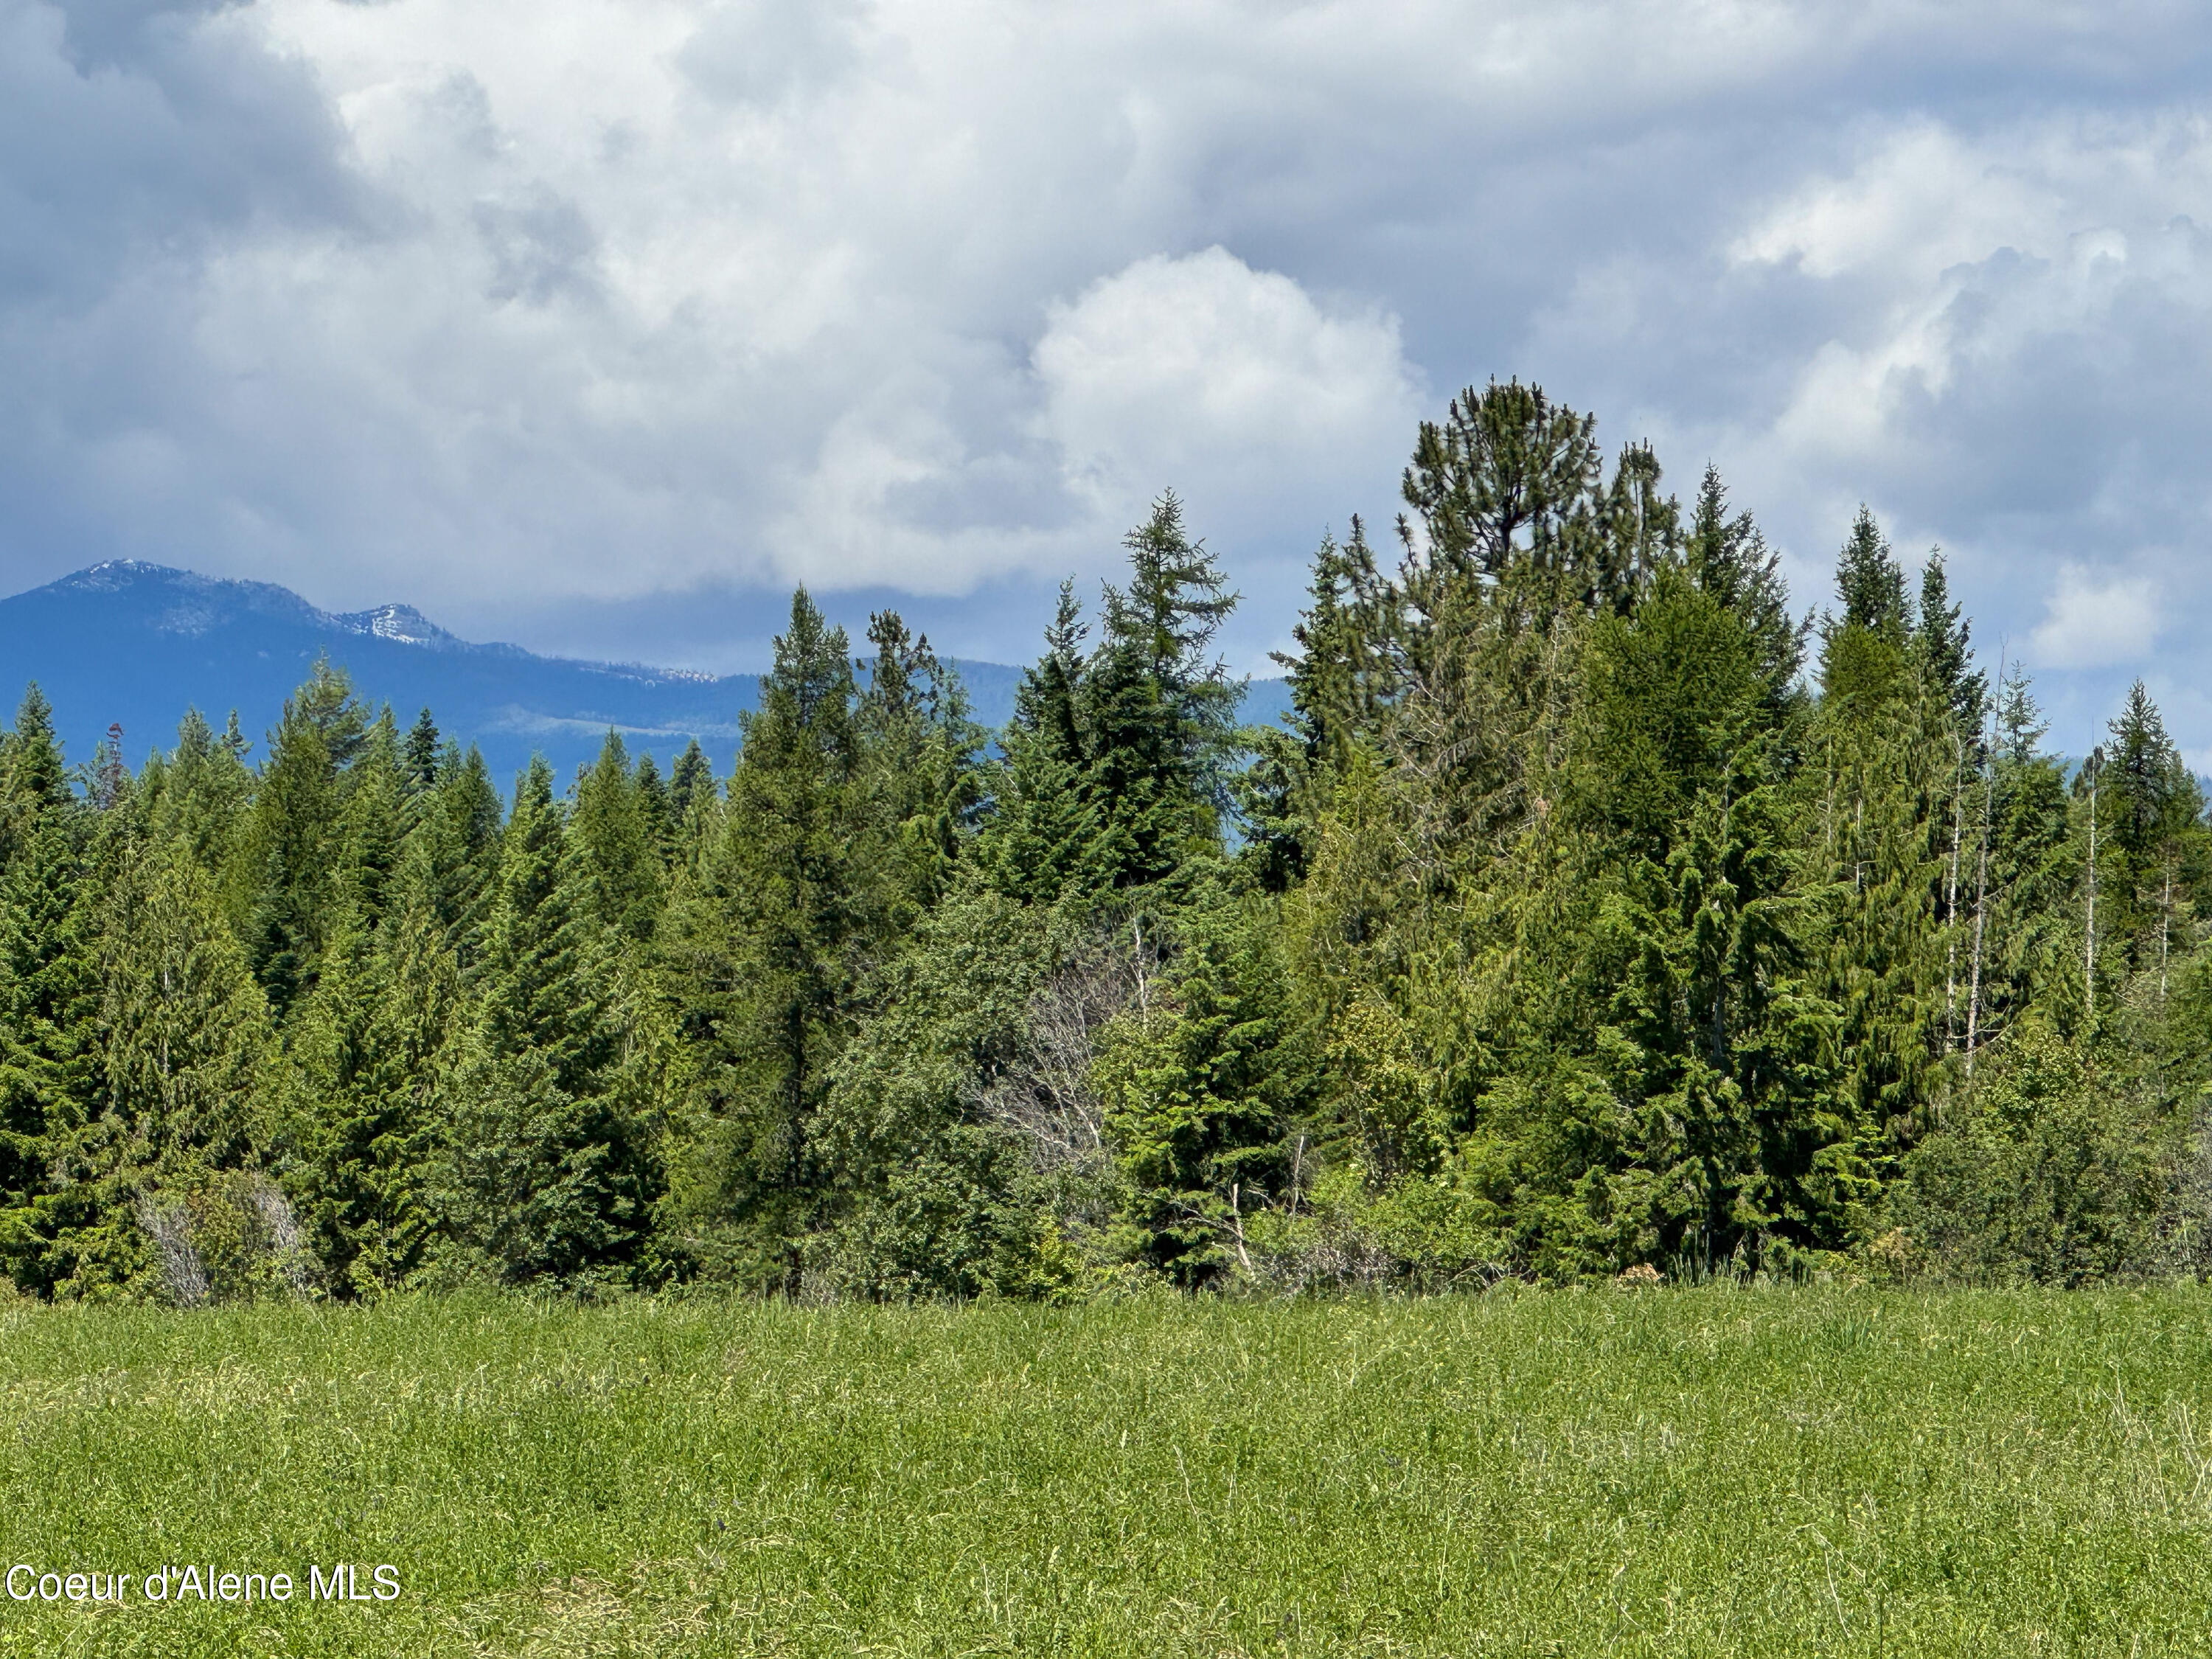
(2096, 622)
(1230, 383)
(478, 303)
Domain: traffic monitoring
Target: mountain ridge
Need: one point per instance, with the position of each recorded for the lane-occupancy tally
(134, 643)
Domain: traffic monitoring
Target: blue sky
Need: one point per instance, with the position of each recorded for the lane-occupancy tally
(595, 324)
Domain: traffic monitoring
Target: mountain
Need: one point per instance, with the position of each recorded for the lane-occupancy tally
(136, 644)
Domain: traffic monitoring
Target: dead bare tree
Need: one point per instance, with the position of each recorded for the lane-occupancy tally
(1043, 1092)
(183, 1274)
(281, 1235)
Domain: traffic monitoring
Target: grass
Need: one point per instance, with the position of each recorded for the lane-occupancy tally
(1671, 1473)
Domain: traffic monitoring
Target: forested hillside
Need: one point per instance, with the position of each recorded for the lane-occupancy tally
(1595, 915)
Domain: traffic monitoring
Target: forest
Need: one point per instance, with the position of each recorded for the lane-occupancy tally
(1596, 915)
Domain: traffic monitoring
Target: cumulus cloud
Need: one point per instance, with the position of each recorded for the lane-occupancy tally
(1234, 384)
(2093, 623)
(553, 309)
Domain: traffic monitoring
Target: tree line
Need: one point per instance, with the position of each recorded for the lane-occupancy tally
(1591, 913)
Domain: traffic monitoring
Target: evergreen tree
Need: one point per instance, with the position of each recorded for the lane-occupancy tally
(198, 795)
(372, 1054)
(1870, 582)
(614, 835)
(186, 1038)
(694, 805)
(1047, 837)
(1726, 557)
(420, 756)
(1201, 1082)
(49, 989)
(554, 1157)
(921, 757)
(767, 951)
(1943, 636)
(459, 838)
(1158, 712)
(653, 804)
(292, 835)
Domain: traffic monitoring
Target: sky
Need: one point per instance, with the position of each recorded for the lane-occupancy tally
(597, 325)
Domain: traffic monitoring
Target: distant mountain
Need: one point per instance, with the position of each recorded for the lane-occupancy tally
(136, 644)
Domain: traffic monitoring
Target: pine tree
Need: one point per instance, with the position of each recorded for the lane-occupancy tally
(1508, 479)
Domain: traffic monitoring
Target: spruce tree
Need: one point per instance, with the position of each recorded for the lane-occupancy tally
(199, 794)
(614, 836)
(554, 1160)
(1159, 711)
(921, 759)
(292, 836)
(1870, 582)
(422, 753)
(459, 835)
(185, 1043)
(365, 1115)
(1943, 635)
(767, 950)
(49, 990)
(1727, 557)
(1047, 836)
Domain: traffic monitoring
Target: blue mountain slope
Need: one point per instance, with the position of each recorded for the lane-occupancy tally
(136, 644)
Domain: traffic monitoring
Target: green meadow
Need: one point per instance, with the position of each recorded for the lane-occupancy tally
(1695, 1471)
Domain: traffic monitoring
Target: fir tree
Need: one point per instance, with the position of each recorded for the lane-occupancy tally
(1943, 636)
(186, 1039)
(1159, 711)
(1870, 582)
(614, 836)
(422, 752)
(767, 950)
(1047, 836)
(553, 1171)
(292, 836)
(459, 836)
(49, 990)
(1726, 557)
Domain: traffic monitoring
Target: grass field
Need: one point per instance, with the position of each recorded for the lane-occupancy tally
(1695, 1471)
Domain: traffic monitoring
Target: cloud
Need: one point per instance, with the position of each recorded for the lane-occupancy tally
(582, 308)
(1232, 384)
(2092, 623)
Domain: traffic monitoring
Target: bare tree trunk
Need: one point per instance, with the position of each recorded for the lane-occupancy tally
(2165, 926)
(1982, 893)
(2089, 924)
(1951, 895)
